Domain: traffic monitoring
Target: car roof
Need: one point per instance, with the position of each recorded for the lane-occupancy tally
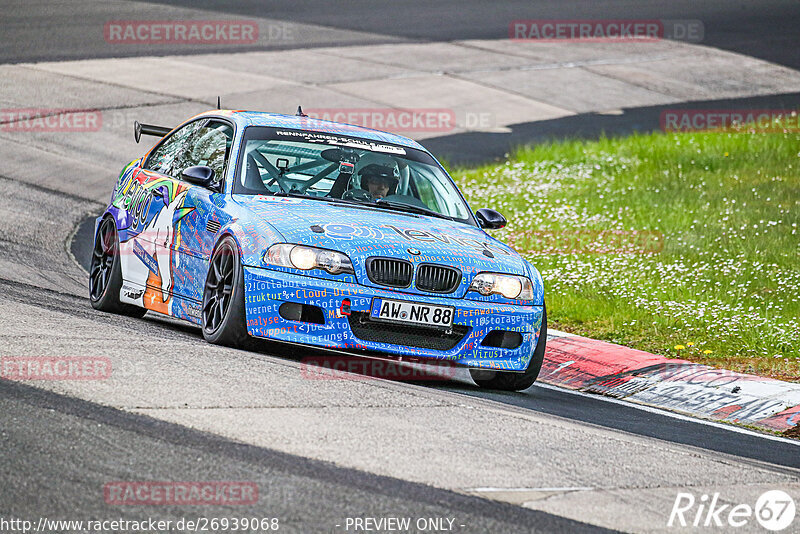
(276, 120)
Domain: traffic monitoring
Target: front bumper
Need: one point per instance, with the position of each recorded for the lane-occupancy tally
(266, 290)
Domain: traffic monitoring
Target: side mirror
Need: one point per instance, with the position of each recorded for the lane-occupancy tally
(489, 219)
(199, 175)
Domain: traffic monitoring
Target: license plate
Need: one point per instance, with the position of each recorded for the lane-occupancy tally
(399, 311)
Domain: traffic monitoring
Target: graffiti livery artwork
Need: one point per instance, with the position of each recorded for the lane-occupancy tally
(154, 208)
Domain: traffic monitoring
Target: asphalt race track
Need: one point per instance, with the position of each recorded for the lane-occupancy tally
(319, 451)
(765, 29)
(165, 452)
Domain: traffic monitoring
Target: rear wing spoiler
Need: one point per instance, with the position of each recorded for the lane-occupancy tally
(148, 129)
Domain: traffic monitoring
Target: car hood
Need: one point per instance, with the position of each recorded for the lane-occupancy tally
(364, 232)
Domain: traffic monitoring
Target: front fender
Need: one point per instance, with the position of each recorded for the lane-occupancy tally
(253, 239)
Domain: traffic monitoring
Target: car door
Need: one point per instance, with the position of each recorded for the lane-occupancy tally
(146, 253)
(202, 213)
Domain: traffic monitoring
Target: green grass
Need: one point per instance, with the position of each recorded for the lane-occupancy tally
(727, 279)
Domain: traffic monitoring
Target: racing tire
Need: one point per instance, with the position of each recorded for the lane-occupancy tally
(222, 313)
(511, 381)
(105, 273)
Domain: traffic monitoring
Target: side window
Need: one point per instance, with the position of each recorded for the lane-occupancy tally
(208, 145)
(162, 159)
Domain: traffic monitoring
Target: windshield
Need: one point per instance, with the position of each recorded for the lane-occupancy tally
(332, 166)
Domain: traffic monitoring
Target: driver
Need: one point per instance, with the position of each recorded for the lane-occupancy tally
(378, 180)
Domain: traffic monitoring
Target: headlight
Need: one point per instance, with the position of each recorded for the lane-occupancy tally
(306, 258)
(507, 285)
